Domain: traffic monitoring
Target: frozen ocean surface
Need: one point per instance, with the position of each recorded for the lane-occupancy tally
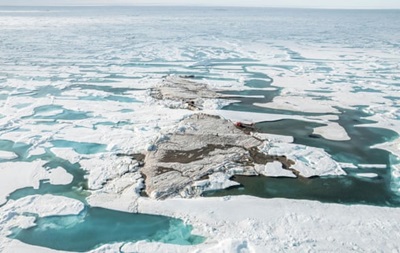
(73, 94)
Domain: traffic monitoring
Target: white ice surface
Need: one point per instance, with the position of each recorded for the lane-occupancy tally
(348, 165)
(16, 175)
(249, 224)
(120, 193)
(45, 205)
(298, 103)
(367, 175)
(216, 181)
(369, 166)
(395, 178)
(37, 151)
(332, 131)
(309, 161)
(68, 154)
(6, 155)
(364, 228)
(13, 214)
(252, 224)
(273, 169)
(273, 137)
(59, 176)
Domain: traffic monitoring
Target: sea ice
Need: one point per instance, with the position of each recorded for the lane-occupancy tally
(6, 155)
(59, 176)
(20, 213)
(215, 181)
(104, 167)
(309, 161)
(273, 137)
(68, 154)
(263, 224)
(16, 175)
(299, 102)
(315, 75)
(367, 175)
(273, 169)
(332, 131)
(374, 166)
(347, 165)
(395, 179)
(120, 193)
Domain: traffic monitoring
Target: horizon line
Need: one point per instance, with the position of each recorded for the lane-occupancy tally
(204, 5)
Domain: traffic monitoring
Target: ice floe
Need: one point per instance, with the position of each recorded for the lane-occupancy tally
(59, 176)
(308, 161)
(367, 175)
(253, 224)
(374, 166)
(274, 169)
(332, 131)
(21, 213)
(316, 75)
(6, 155)
(273, 137)
(16, 175)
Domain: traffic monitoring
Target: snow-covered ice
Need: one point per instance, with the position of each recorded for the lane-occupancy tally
(6, 155)
(19, 213)
(274, 169)
(309, 161)
(281, 225)
(16, 175)
(83, 79)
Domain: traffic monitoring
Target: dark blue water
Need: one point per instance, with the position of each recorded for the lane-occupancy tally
(349, 189)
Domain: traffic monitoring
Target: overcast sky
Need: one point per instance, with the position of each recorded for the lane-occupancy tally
(358, 4)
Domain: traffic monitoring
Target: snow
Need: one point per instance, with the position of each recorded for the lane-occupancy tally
(16, 175)
(120, 193)
(49, 113)
(294, 102)
(332, 131)
(17, 214)
(68, 154)
(45, 205)
(347, 165)
(273, 137)
(216, 181)
(6, 155)
(280, 225)
(395, 179)
(223, 246)
(373, 166)
(59, 176)
(309, 161)
(367, 175)
(37, 151)
(231, 224)
(274, 169)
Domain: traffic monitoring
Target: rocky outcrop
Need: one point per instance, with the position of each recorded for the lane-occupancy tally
(182, 93)
(202, 154)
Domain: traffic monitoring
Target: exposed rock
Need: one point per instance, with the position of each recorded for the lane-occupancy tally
(203, 152)
(190, 95)
(188, 161)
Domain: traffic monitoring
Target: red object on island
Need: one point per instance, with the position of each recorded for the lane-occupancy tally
(239, 124)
